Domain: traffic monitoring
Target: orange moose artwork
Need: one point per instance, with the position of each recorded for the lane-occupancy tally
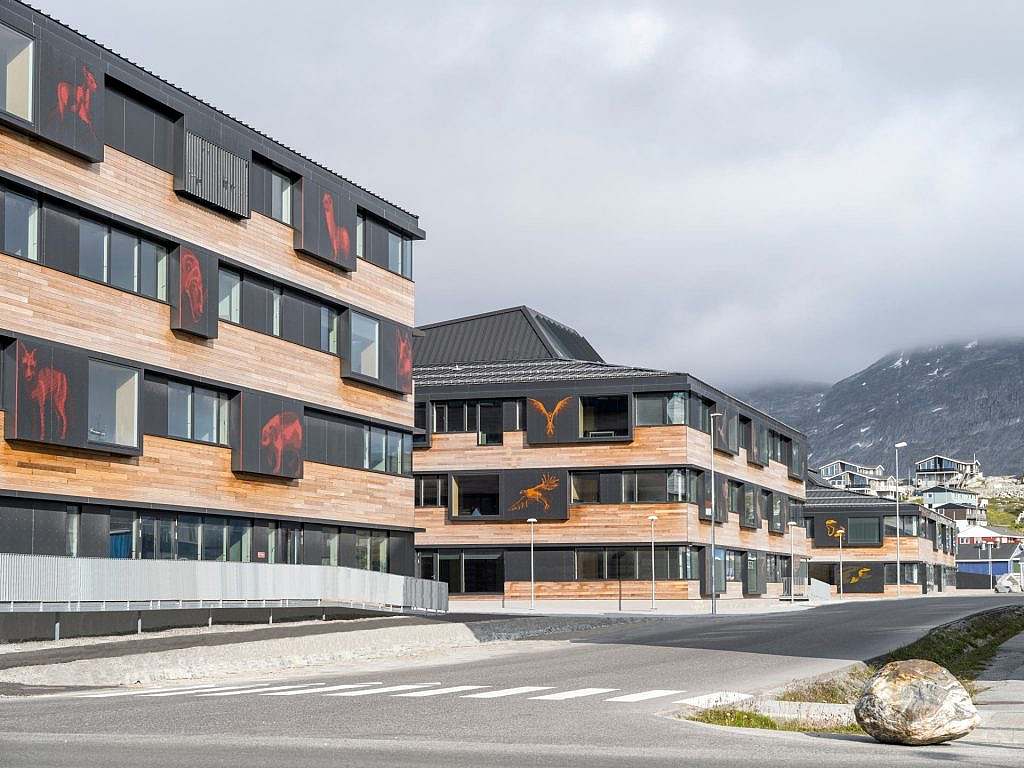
(535, 493)
(549, 430)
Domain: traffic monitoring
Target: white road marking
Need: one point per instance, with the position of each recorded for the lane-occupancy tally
(579, 693)
(509, 692)
(141, 692)
(657, 693)
(387, 689)
(242, 692)
(193, 690)
(715, 699)
(322, 690)
(440, 691)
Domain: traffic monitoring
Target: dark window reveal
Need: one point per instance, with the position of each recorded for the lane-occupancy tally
(604, 416)
(139, 128)
(475, 496)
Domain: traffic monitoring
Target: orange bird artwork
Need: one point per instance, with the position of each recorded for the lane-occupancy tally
(535, 493)
(549, 415)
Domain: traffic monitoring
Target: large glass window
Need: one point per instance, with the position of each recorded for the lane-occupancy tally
(16, 83)
(863, 530)
(489, 424)
(123, 260)
(156, 537)
(675, 407)
(590, 564)
(229, 305)
(585, 487)
(651, 485)
(21, 224)
(93, 250)
(476, 496)
(213, 538)
(604, 416)
(650, 410)
(393, 463)
(239, 543)
(196, 413)
(378, 445)
(280, 197)
(432, 491)
(113, 404)
(365, 334)
(152, 270)
(122, 538)
(188, 536)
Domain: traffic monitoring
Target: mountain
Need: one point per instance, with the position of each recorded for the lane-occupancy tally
(954, 399)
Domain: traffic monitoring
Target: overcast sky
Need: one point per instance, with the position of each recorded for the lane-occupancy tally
(750, 192)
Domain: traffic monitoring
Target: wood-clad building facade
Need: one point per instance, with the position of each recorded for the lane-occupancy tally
(205, 337)
(519, 418)
(867, 526)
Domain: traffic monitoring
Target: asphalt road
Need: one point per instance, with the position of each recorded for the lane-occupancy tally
(608, 697)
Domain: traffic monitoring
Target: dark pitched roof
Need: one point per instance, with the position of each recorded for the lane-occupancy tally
(999, 552)
(948, 489)
(955, 505)
(517, 333)
(524, 371)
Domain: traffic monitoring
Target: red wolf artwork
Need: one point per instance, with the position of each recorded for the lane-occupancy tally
(535, 493)
(337, 232)
(281, 433)
(49, 387)
(538, 406)
(191, 285)
(81, 105)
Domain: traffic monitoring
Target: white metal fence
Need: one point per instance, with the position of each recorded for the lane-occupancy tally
(44, 583)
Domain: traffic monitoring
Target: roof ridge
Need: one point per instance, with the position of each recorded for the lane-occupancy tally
(217, 109)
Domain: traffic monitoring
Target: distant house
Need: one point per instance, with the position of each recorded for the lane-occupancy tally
(857, 477)
(942, 470)
(984, 553)
(955, 503)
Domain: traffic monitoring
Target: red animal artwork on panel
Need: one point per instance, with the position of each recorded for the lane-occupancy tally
(76, 98)
(282, 434)
(49, 389)
(549, 416)
(335, 231)
(404, 360)
(192, 290)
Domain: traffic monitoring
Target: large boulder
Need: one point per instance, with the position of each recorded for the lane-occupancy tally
(915, 702)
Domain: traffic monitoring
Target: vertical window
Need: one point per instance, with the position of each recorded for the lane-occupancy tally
(677, 485)
(213, 538)
(489, 429)
(365, 333)
(188, 536)
(329, 330)
(179, 409)
(21, 223)
(239, 544)
(378, 438)
(330, 555)
(152, 270)
(275, 311)
(71, 529)
(196, 413)
(394, 453)
(16, 84)
(585, 487)
(379, 551)
(93, 250)
(650, 410)
(361, 236)
(394, 252)
(229, 306)
(676, 407)
(123, 271)
(407, 258)
(113, 404)
(280, 197)
(122, 539)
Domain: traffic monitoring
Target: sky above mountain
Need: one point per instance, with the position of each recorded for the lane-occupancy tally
(746, 191)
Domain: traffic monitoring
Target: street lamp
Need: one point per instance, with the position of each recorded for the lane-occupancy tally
(792, 562)
(899, 576)
(533, 597)
(653, 519)
(840, 532)
(714, 574)
(991, 576)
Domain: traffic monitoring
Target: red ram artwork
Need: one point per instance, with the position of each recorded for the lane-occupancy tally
(76, 98)
(404, 360)
(191, 285)
(337, 232)
(49, 388)
(282, 434)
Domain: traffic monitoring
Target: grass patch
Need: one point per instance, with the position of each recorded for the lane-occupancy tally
(834, 690)
(738, 718)
(1003, 510)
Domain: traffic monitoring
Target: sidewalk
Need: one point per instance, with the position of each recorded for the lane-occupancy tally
(1001, 703)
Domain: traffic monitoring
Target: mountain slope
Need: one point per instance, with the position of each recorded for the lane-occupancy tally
(954, 399)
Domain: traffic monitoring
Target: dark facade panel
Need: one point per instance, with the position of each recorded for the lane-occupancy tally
(552, 418)
(401, 555)
(192, 284)
(154, 405)
(94, 532)
(864, 577)
(268, 435)
(548, 564)
(539, 493)
(214, 175)
(60, 238)
(71, 95)
(327, 225)
(46, 388)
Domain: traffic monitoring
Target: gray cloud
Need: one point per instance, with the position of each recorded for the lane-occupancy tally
(746, 191)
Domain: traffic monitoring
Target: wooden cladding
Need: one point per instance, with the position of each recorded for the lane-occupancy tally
(214, 175)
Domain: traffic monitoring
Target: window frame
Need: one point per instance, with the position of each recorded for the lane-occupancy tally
(30, 67)
(135, 447)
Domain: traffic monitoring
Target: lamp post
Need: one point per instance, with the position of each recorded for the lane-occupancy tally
(899, 567)
(792, 562)
(533, 597)
(840, 532)
(991, 576)
(714, 574)
(653, 519)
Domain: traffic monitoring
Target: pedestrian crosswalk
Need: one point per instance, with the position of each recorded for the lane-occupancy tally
(417, 690)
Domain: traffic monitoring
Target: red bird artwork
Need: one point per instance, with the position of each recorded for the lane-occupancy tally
(76, 98)
(191, 286)
(335, 231)
(282, 434)
(535, 494)
(49, 389)
(549, 429)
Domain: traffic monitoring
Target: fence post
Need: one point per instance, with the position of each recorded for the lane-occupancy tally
(138, 622)
(56, 626)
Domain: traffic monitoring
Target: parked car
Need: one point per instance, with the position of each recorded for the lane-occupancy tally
(1010, 582)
